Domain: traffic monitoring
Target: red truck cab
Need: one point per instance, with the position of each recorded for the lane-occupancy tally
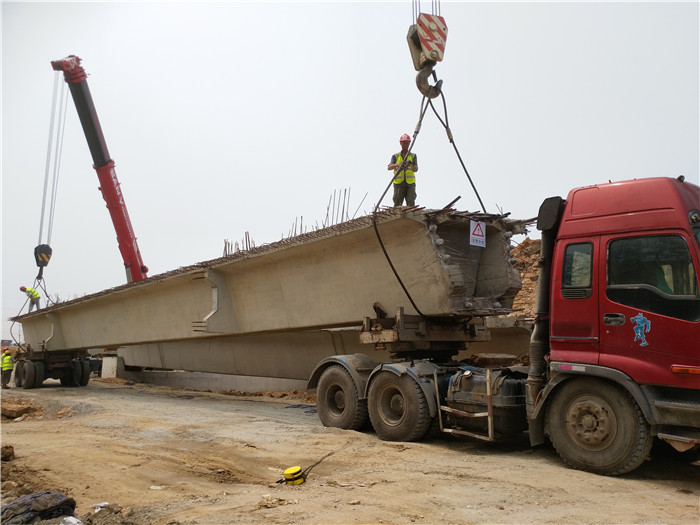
(615, 352)
(624, 293)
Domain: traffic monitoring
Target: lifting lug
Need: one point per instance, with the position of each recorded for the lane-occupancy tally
(422, 82)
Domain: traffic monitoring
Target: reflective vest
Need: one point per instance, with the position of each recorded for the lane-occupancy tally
(7, 362)
(410, 176)
(31, 292)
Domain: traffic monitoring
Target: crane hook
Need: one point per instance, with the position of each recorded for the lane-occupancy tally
(423, 84)
(426, 42)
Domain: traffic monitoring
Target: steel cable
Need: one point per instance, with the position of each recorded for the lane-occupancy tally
(48, 155)
(423, 109)
(57, 160)
(450, 137)
(445, 124)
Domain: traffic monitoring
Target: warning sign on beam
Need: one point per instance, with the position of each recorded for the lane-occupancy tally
(477, 233)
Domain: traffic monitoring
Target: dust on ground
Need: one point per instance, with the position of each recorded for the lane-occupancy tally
(157, 455)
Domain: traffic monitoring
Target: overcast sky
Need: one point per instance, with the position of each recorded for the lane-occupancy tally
(232, 117)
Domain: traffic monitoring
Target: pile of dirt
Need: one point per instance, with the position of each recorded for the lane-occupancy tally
(113, 380)
(19, 480)
(293, 395)
(526, 255)
(19, 409)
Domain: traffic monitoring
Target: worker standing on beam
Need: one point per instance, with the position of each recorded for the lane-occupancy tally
(405, 165)
(33, 295)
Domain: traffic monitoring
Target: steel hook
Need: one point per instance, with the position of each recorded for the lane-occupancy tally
(423, 84)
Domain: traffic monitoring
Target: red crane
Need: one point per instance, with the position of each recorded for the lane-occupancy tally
(76, 78)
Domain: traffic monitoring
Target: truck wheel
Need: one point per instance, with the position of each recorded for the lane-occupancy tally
(28, 375)
(19, 370)
(338, 401)
(76, 373)
(39, 374)
(67, 377)
(398, 408)
(85, 372)
(598, 427)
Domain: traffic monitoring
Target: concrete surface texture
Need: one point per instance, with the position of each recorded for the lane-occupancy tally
(328, 278)
(277, 310)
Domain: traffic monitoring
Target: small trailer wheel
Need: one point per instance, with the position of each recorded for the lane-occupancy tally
(28, 375)
(19, 369)
(84, 372)
(39, 374)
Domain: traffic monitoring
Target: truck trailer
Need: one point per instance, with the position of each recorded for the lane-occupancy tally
(614, 355)
(613, 360)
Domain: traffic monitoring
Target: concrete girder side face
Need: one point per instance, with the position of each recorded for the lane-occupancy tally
(162, 311)
(314, 281)
(290, 356)
(335, 281)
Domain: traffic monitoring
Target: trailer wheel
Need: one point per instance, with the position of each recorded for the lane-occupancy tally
(85, 372)
(39, 374)
(67, 377)
(597, 426)
(28, 375)
(19, 370)
(398, 408)
(338, 400)
(76, 373)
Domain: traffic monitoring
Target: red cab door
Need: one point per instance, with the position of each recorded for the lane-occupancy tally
(650, 307)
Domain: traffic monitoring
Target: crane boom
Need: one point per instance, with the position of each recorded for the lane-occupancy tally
(76, 78)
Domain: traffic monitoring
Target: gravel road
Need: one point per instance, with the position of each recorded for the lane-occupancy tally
(165, 456)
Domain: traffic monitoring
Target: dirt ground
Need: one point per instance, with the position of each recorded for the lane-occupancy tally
(165, 456)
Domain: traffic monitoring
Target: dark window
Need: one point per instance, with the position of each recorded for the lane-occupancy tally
(577, 271)
(655, 274)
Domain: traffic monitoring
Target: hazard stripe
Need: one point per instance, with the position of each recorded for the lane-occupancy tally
(432, 40)
(437, 21)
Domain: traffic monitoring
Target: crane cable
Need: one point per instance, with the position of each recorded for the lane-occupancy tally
(423, 109)
(445, 124)
(59, 134)
(435, 8)
(54, 152)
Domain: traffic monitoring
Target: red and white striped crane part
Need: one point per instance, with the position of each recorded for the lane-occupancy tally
(432, 32)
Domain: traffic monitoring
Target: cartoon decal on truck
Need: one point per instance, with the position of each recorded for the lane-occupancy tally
(642, 326)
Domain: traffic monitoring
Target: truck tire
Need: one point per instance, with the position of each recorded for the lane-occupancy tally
(19, 370)
(39, 374)
(67, 377)
(28, 375)
(398, 408)
(84, 372)
(338, 401)
(598, 427)
(76, 373)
